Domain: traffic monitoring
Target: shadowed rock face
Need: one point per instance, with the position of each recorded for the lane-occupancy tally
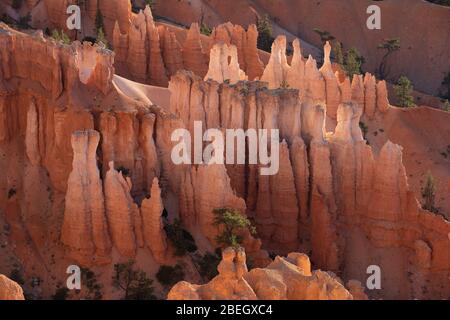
(287, 278)
(104, 159)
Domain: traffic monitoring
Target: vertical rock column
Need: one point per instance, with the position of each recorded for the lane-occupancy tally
(84, 230)
(153, 227)
(123, 215)
(193, 56)
(333, 94)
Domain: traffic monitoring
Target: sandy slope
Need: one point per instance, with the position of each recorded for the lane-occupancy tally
(424, 134)
(141, 92)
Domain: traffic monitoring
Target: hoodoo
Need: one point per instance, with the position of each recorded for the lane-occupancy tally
(163, 152)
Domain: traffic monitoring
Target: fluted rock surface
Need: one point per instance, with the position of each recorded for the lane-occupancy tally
(171, 49)
(84, 64)
(84, 230)
(276, 71)
(324, 84)
(194, 57)
(224, 65)
(153, 227)
(345, 204)
(333, 94)
(246, 44)
(124, 219)
(210, 189)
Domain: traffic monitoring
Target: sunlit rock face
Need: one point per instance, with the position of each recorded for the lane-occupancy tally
(10, 290)
(288, 278)
(88, 168)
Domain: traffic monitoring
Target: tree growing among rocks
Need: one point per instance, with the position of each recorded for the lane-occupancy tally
(403, 90)
(61, 36)
(265, 33)
(324, 35)
(134, 283)
(233, 224)
(353, 62)
(390, 46)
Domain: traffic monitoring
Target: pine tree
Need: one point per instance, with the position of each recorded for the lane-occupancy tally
(233, 223)
(390, 45)
(403, 91)
(265, 33)
(353, 62)
(134, 283)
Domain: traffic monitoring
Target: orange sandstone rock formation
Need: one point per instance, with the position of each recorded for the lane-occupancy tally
(287, 278)
(346, 204)
(328, 188)
(194, 57)
(84, 230)
(323, 84)
(223, 65)
(152, 223)
(246, 44)
(9, 290)
(139, 49)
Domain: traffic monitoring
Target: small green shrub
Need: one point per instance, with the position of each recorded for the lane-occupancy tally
(61, 37)
(204, 29)
(101, 38)
(403, 90)
(429, 194)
